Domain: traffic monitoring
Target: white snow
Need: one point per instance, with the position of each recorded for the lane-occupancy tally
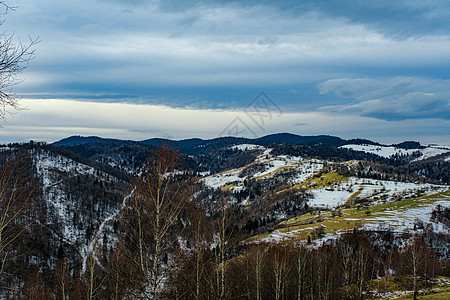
(440, 146)
(404, 220)
(46, 165)
(380, 190)
(272, 164)
(275, 163)
(222, 179)
(97, 239)
(325, 197)
(328, 199)
(431, 152)
(401, 220)
(380, 150)
(390, 151)
(247, 147)
(49, 166)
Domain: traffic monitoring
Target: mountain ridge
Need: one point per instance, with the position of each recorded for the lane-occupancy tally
(92, 145)
(284, 137)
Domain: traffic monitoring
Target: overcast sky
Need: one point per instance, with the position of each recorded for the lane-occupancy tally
(180, 68)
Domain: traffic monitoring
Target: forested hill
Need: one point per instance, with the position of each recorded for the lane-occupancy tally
(91, 145)
(84, 211)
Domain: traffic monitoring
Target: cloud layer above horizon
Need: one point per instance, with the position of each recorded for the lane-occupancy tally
(381, 62)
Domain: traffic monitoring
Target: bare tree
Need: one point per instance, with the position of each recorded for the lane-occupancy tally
(345, 255)
(14, 56)
(91, 277)
(416, 255)
(356, 259)
(200, 239)
(280, 269)
(301, 260)
(158, 200)
(222, 240)
(364, 270)
(324, 279)
(255, 259)
(62, 277)
(15, 196)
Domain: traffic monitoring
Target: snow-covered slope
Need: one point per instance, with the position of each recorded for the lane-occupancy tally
(330, 196)
(265, 165)
(78, 204)
(245, 147)
(388, 152)
(380, 150)
(431, 152)
(400, 217)
(369, 190)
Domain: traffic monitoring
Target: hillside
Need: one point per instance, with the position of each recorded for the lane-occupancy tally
(197, 145)
(279, 193)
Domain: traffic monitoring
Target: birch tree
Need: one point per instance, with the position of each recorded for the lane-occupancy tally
(222, 239)
(300, 265)
(416, 255)
(157, 202)
(280, 270)
(255, 260)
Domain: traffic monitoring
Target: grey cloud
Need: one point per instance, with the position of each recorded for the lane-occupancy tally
(398, 19)
(369, 88)
(390, 99)
(268, 40)
(95, 47)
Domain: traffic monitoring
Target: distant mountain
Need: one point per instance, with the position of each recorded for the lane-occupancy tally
(94, 145)
(80, 140)
(290, 138)
(184, 143)
(91, 145)
(194, 145)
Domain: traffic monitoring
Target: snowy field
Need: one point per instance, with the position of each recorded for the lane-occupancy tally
(431, 152)
(329, 197)
(380, 150)
(391, 151)
(247, 147)
(369, 189)
(406, 219)
(399, 218)
(272, 165)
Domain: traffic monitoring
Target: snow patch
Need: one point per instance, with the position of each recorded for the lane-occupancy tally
(388, 152)
(370, 189)
(431, 152)
(247, 147)
(380, 150)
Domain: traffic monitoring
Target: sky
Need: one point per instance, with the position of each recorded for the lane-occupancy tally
(182, 68)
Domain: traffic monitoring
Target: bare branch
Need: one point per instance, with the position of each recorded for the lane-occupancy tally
(14, 58)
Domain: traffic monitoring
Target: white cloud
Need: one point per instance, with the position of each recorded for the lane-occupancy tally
(53, 119)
